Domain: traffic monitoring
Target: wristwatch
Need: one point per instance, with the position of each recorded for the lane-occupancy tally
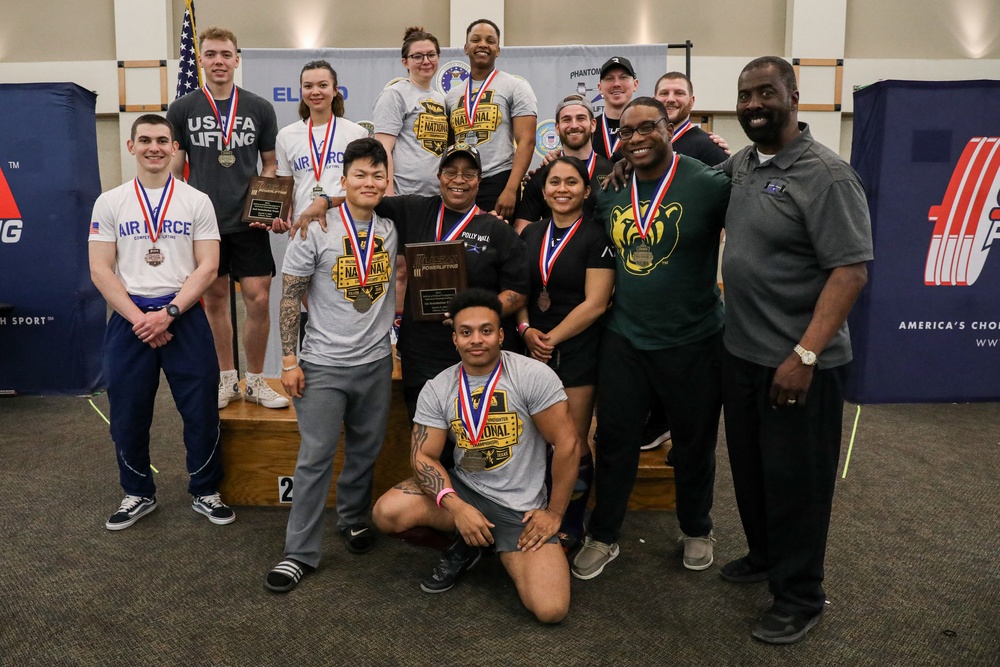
(808, 358)
(173, 311)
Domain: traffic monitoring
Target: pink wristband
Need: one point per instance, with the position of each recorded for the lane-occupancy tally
(442, 493)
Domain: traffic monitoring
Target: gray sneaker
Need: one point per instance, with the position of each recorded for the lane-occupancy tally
(592, 558)
(698, 551)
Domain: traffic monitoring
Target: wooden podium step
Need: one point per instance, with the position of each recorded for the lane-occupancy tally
(260, 447)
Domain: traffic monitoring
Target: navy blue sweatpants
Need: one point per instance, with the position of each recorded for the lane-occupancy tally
(132, 369)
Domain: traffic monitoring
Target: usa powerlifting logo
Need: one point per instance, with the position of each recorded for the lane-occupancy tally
(10, 214)
(967, 221)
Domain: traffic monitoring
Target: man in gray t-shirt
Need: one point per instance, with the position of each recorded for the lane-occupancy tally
(500, 409)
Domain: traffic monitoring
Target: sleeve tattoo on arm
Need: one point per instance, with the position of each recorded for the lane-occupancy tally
(292, 289)
(427, 475)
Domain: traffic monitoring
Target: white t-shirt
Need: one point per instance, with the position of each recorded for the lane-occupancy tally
(336, 333)
(292, 152)
(118, 218)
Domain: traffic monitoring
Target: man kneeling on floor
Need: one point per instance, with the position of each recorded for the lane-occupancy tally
(501, 409)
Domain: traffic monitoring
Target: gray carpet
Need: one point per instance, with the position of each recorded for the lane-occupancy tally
(911, 568)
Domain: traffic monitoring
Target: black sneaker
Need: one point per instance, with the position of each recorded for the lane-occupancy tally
(212, 506)
(458, 558)
(742, 571)
(358, 538)
(779, 627)
(131, 510)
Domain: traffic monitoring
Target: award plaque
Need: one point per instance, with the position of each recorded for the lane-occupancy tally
(268, 198)
(435, 273)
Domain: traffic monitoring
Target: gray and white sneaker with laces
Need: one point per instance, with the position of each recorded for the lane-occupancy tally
(258, 391)
(131, 510)
(229, 388)
(212, 506)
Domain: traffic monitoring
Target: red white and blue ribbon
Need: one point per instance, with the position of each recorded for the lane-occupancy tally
(591, 163)
(459, 226)
(610, 143)
(472, 101)
(155, 216)
(316, 152)
(362, 253)
(474, 418)
(225, 124)
(681, 131)
(547, 257)
(643, 223)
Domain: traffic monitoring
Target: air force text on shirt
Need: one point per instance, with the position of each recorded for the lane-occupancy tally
(137, 229)
(205, 131)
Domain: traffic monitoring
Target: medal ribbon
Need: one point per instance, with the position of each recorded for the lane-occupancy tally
(643, 224)
(459, 226)
(474, 419)
(610, 145)
(362, 256)
(154, 217)
(472, 105)
(591, 163)
(547, 257)
(316, 152)
(225, 123)
(680, 131)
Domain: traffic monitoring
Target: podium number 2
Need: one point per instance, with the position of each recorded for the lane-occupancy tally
(285, 489)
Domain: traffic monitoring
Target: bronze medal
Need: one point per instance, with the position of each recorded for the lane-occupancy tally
(362, 302)
(544, 301)
(226, 158)
(473, 461)
(643, 256)
(154, 257)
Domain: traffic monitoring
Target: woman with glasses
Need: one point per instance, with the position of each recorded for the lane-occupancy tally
(572, 276)
(410, 120)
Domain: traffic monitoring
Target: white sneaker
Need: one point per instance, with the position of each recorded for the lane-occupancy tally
(698, 551)
(229, 388)
(258, 391)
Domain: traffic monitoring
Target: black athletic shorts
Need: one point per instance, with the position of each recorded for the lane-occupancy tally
(246, 254)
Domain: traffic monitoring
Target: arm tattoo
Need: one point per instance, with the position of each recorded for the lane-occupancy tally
(292, 289)
(511, 301)
(427, 475)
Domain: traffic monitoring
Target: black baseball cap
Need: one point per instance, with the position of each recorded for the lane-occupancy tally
(464, 149)
(618, 61)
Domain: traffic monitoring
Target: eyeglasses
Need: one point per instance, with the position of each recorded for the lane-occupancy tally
(421, 57)
(643, 128)
(454, 173)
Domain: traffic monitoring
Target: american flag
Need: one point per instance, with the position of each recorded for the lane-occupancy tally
(188, 71)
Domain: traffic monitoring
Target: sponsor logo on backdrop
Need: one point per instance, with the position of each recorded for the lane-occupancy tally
(546, 138)
(10, 215)
(582, 79)
(967, 221)
(451, 75)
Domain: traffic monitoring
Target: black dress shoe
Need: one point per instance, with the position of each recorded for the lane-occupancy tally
(741, 571)
(779, 627)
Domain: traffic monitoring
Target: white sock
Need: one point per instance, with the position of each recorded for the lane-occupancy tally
(229, 377)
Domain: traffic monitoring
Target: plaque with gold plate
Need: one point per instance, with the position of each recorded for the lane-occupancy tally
(435, 273)
(268, 198)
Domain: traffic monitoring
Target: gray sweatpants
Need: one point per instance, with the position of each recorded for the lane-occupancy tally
(359, 397)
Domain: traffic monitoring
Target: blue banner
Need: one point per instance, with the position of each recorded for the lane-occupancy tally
(51, 336)
(927, 326)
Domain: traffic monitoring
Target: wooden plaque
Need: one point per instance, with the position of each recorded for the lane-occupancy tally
(268, 198)
(435, 273)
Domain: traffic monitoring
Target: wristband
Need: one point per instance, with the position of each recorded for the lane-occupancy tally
(442, 493)
(329, 201)
(522, 327)
(290, 368)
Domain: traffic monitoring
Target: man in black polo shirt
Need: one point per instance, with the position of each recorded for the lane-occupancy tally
(676, 92)
(617, 85)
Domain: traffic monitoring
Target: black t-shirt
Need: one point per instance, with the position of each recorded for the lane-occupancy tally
(598, 139)
(697, 144)
(494, 259)
(588, 249)
(533, 207)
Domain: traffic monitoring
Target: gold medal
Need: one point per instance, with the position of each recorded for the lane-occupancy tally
(154, 257)
(643, 256)
(226, 158)
(362, 302)
(544, 301)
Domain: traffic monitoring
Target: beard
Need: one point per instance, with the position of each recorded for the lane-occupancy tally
(770, 132)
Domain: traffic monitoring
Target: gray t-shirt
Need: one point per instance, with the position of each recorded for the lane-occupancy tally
(336, 333)
(417, 119)
(511, 452)
(507, 98)
(790, 222)
(197, 131)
